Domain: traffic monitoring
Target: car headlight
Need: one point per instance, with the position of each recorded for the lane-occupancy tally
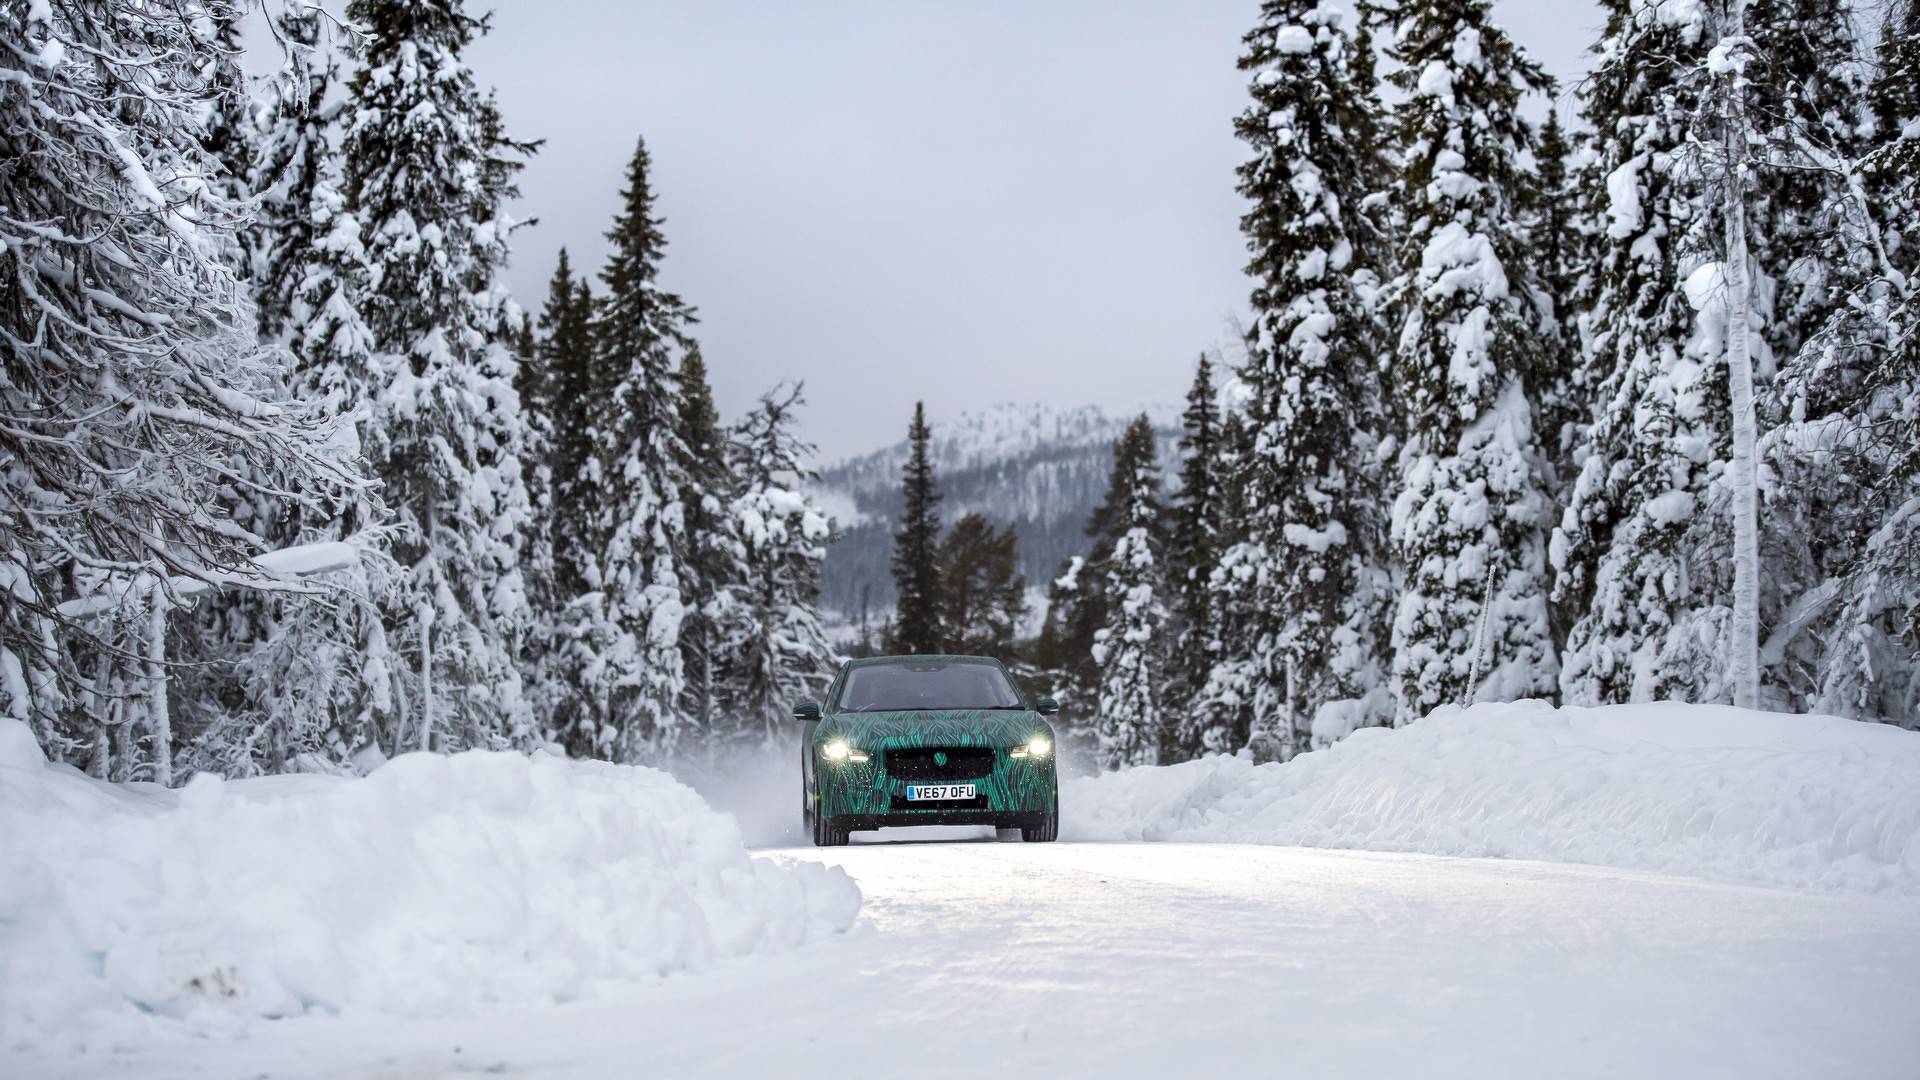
(839, 752)
(1037, 747)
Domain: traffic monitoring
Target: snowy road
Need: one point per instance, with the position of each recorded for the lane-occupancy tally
(980, 959)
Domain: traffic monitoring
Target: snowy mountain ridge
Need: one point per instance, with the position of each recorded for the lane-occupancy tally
(1039, 467)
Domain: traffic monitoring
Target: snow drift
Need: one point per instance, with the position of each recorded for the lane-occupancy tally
(431, 885)
(1708, 791)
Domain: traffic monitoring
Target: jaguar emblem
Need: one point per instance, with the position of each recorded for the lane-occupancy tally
(939, 757)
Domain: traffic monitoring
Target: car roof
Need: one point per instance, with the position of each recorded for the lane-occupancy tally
(941, 658)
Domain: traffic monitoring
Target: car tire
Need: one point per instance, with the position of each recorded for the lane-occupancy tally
(828, 834)
(1046, 831)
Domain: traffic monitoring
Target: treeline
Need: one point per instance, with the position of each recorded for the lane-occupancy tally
(1625, 414)
(287, 480)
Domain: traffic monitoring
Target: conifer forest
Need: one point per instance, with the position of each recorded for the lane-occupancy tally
(1616, 405)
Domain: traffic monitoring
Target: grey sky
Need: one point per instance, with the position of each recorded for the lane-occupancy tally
(961, 202)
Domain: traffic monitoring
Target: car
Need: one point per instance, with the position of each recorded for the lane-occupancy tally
(927, 740)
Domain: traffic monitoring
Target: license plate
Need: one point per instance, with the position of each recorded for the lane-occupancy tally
(938, 792)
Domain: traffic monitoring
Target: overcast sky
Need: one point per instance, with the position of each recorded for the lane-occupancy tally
(961, 202)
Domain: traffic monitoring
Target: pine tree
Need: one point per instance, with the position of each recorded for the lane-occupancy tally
(1841, 506)
(428, 169)
(638, 329)
(918, 624)
(568, 622)
(1557, 236)
(1621, 551)
(783, 654)
(567, 358)
(1782, 80)
(714, 553)
(1222, 709)
(288, 169)
(1469, 520)
(228, 132)
(1193, 553)
(1310, 560)
(984, 596)
(1130, 650)
(135, 408)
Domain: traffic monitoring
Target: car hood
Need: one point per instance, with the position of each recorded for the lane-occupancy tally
(936, 727)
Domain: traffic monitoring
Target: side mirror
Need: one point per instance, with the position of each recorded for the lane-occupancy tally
(1045, 706)
(808, 710)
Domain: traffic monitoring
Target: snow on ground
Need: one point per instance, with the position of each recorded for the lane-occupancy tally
(432, 886)
(1706, 791)
(977, 960)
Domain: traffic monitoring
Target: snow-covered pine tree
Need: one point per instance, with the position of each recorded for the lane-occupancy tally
(134, 406)
(782, 653)
(714, 552)
(1312, 552)
(288, 168)
(1559, 239)
(228, 128)
(428, 169)
(1130, 650)
(1222, 710)
(983, 594)
(1469, 522)
(639, 329)
(574, 512)
(566, 356)
(1620, 553)
(533, 384)
(1193, 553)
(1771, 274)
(1840, 532)
(918, 623)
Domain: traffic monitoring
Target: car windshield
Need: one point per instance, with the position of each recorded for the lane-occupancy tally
(891, 687)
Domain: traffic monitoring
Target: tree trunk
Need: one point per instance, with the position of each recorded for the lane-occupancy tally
(1743, 645)
(159, 719)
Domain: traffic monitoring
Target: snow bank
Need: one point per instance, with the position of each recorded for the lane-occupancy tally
(1709, 791)
(430, 886)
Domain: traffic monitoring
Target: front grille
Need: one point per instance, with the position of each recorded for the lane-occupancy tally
(924, 763)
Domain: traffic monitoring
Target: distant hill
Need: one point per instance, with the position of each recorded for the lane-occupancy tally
(1039, 467)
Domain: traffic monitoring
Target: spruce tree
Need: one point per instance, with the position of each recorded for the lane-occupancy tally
(428, 170)
(1468, 523)
(1621, 551)
(287, 170)
(1221, 714)
(1310, 560)
(1193, 552)
(918, 623)
(567, 360)
(714, 553)
(1841, 507)
(983, 593)
(1130, 650)
(1557, 236)
(568, 622)
(639, 329)
(781, 653)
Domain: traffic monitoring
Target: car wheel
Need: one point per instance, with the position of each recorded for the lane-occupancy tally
(1047, 830)
(828, 834)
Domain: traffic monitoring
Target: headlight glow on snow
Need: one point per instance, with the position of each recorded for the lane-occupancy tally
(1039, 746)
(838, 751)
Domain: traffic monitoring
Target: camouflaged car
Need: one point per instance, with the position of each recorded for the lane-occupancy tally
(927, 740)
